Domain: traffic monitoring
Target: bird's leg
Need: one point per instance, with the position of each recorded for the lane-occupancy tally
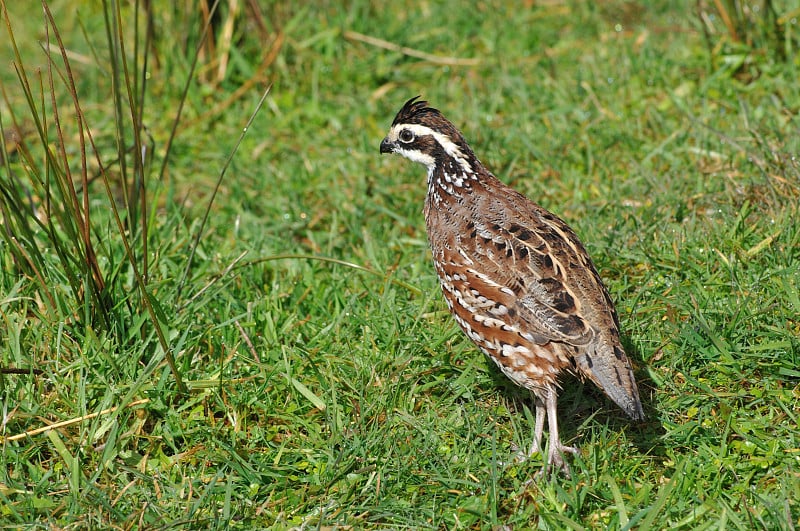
(541, 413)
(555, 448)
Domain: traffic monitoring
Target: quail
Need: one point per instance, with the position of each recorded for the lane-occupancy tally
(516, 278)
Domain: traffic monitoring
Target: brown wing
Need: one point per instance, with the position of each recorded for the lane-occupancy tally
(575, 295)
(511, 303)
(539, 269)
(526, 275)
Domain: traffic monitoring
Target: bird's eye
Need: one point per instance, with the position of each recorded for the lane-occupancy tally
(406, 136)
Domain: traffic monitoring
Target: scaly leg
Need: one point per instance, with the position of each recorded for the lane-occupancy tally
(547, 408)
(541, 413)
(555, 447)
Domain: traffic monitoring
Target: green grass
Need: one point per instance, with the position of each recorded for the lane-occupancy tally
(327, 385)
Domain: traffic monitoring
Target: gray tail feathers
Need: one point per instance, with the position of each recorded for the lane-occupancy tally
(609, 368)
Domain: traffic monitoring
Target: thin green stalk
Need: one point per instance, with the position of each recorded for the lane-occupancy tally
(222, 172)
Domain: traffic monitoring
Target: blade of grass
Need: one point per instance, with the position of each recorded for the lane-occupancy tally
(81, 214)
(69, 422)
(651, 513)
(400, 283)
(222, 172)
(617, 495)
(189, 81)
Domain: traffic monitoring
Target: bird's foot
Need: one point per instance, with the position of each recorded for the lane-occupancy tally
(517, 457)
(555, 459)
(520, 456)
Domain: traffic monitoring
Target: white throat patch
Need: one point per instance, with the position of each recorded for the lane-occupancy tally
(417, 156)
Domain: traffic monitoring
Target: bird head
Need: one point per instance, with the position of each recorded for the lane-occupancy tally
(422, 134)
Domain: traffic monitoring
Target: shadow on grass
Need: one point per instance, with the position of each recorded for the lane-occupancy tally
(579, 401)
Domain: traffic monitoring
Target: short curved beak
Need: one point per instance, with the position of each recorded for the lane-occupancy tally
(386, 146)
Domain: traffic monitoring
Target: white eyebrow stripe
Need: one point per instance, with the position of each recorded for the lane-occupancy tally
(448, 145)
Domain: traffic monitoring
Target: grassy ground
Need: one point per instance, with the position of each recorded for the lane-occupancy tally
(327, 385)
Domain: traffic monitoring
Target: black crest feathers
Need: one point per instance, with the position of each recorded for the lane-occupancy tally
(415, 111)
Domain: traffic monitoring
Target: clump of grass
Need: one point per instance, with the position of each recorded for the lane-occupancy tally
(744, 38)
(50, 209)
